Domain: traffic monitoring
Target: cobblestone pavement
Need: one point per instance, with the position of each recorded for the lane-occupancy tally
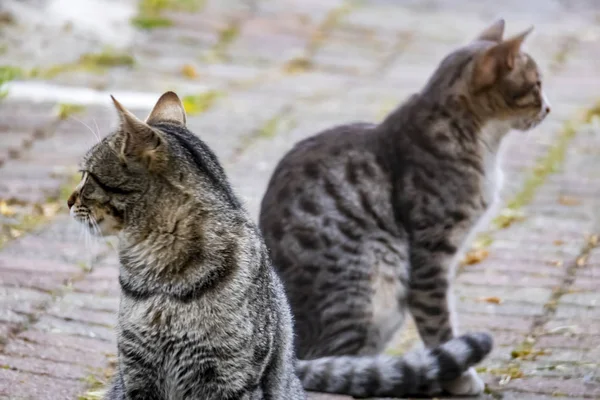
(258, 76)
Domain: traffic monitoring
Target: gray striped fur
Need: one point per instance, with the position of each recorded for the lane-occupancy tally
(202, 315)
(367, 221)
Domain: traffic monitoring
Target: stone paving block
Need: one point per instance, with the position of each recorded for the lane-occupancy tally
(22, 300)
(51, 352)
(512, 323)
(36, 265)
(73, 313)
(13, 318)
(555, 387)
(557, 369)
(510, 395)
(65, 341)
(33, 280)
(103, 287)
(590, 313)
(507, 279)
(19, 385)
(90, 302)
(482, 294)
(587, 280)
(574, 324)
(569, 340)
(42, 367)
(51, 324)
(572, 355)
(6, 330)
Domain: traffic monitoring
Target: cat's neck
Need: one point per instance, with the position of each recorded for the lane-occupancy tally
(183, 258)
(429, 117)
(164, 241)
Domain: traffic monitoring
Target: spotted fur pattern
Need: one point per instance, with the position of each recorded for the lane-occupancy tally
(202, 315)
(367, 221)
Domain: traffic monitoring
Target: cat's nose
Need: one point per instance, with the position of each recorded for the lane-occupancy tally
(71, 200)
(545, 104)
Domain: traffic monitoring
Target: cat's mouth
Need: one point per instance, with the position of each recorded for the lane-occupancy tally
(97, 225)
(528, 124)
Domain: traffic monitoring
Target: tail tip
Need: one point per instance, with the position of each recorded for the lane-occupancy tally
(483, 340)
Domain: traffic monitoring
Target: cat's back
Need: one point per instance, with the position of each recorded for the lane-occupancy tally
(333, 176)
(329, 146)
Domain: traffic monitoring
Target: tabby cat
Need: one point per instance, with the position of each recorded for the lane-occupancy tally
(202, 315)
(366, 221)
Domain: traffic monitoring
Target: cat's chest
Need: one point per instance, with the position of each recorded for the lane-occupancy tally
(492, 181)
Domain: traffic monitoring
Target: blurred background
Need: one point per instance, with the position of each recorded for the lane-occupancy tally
(256, 76)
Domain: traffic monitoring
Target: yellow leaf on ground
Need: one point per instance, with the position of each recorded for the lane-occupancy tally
(475, 256)
(492, 300)
(189, 71)
(568, 201)
(5, 209)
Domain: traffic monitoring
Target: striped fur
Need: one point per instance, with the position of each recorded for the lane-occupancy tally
(416, 373)
(202, 316)
(365, 222)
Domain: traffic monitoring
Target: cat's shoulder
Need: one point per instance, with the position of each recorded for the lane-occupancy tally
(347, 135)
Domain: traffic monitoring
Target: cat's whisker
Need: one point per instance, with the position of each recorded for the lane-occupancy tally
(98, 134)
(87, 126)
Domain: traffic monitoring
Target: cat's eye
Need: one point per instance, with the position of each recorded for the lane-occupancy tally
(108, 188)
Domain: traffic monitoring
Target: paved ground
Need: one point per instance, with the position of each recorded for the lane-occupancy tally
(261, 75)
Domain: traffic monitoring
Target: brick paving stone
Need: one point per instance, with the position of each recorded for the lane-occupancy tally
(48, 323)
(61, 340)
(53, 353)
(43, 367)
(21, 385)
(557, 387)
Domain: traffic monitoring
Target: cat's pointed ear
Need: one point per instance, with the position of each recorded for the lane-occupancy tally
(140, 141)
(167, 109)
(497, 60)
(493, 33)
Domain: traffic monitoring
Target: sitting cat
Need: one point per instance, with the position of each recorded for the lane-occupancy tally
(366, 221)
(203, 315)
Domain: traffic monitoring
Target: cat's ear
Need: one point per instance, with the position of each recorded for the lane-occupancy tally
(167, 109)
(493, 33)
(498, 60)
(140, 141)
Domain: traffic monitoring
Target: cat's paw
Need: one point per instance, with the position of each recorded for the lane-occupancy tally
(468, 384)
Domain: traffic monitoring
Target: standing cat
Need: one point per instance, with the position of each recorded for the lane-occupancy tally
(202, 315)
(365, 221)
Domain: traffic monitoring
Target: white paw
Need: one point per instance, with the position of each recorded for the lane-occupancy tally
(469, 384)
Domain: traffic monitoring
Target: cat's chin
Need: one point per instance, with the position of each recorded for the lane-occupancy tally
(105, 227)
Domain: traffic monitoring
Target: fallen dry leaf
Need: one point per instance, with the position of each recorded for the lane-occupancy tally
(6, 210)
(581, 261)
(568, 201)
(558, 242)
(493, 300)
(475, 256)
(555, 263)
(189, 71)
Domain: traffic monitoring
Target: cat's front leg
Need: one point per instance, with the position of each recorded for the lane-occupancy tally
(431, 304)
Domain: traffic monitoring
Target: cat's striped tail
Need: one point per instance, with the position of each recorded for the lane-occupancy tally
(415, 373)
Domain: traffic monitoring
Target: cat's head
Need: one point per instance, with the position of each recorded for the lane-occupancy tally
(495, 79)
(145, 171)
